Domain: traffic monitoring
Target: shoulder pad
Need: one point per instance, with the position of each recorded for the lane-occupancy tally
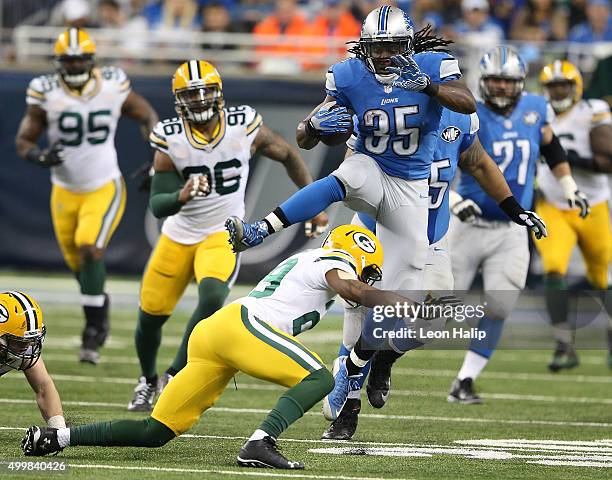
(439, 66)
(244, 115)
(116, 75)
(348, 72)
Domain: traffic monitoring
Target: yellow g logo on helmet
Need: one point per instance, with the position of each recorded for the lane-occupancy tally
(562, 71)
(360, 244)
(21, 330)
(198, 91)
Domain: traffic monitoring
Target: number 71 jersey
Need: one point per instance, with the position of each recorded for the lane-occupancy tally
(513, 142)
(225, 162)
(84, 124)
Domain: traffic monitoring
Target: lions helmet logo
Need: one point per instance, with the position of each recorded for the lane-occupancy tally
(531, 118)
(364, 242)
(450, 134)
(4, 314)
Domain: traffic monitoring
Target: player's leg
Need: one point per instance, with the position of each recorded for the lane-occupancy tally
(262, 351)
(351, 182)
(555, 251)
(216, 268)
(345, 426)
(504, 273)
(99, 216)
(595, 241)
(168, 271)
(65, 207)
(195, 389)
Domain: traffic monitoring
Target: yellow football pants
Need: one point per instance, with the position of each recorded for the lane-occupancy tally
(229, 341)
(566, 230)
(172, 266)
(88, 218)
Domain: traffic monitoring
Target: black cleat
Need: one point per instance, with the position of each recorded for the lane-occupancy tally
(40, 441)
(462, 391)
(345, 426)
(379, 380)
(564, 358)
(264, 454)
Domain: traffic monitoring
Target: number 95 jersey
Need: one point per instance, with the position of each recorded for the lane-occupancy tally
(224, 160)
(84, 124)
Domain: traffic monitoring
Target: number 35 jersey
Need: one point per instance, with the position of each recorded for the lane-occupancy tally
(84, 124)
(225, 162)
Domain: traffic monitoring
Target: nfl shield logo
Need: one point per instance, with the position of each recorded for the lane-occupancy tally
(388, 88)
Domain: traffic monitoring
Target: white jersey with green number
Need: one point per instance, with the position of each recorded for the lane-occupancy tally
(224, 160)
(573, 128)
(84, 124)
(295, 295)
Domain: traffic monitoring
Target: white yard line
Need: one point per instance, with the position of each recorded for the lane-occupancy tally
(420, 418)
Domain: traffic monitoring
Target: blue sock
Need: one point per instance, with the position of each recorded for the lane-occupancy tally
(312, 200)
(405, 344)
(365, 370)
(493, 329)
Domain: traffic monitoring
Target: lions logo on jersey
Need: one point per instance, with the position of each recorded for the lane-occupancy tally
(531, 118)
(450, 134)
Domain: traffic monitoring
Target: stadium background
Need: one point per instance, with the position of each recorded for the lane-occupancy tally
(271, 55)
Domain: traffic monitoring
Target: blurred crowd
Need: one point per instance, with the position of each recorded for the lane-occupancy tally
(473, 21)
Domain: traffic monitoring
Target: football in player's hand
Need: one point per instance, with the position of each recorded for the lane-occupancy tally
(337, 138)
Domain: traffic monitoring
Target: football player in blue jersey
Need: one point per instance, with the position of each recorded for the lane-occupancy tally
(457, 145)
(516, 130)
(396, 86)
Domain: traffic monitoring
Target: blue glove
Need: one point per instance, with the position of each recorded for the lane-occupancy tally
(330, 121)
(410, 76)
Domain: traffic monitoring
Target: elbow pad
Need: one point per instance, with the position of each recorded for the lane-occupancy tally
(553, 152)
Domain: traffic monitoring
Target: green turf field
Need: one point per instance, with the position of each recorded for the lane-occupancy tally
(533, 424)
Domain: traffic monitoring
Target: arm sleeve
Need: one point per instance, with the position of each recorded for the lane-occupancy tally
(441, 67)
(330, 260)
(165, 189)
(334, 84)
(253, 121)
(468, 138)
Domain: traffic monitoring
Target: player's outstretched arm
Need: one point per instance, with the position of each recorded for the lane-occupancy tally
(601, 146)
(168, 193)
(278, 149)
(138, 108)
(47, 397)
(556, 158)
(455, 96)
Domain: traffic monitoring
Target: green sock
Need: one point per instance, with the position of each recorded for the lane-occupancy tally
(297, 400)
(148, 338)
(124, 433)
(92, 277)
(557, 304)
(211, 293)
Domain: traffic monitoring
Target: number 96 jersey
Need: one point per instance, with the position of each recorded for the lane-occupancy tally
(84, 124)
(225, 162)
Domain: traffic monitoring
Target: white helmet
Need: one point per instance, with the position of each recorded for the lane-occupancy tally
(502, 62)
(385, 24)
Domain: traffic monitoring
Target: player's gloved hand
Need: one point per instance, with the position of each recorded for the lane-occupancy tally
(575, 198)
(196, 187)
(410, 76)
(467, 210)
(329, 120)
(520, 216)
(49, 157)
(316, 225)
(433, 307)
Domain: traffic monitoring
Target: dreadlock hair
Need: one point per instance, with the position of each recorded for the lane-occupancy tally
(424, 41)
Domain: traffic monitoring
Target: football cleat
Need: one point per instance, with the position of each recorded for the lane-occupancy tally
(40, 441)
(89, 355)
(264, 453)
(144, 394)
(245, 235)
(564, 358)
(462, 391)
(163, 381)
(334, 401)
(345, 426)
(379, 381)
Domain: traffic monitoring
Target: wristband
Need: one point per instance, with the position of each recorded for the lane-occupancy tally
(513, 209)
(311, 131)
(431, 89)
(56, 421)
(568, 184)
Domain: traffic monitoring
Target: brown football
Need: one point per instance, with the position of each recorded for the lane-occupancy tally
(338, 138)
